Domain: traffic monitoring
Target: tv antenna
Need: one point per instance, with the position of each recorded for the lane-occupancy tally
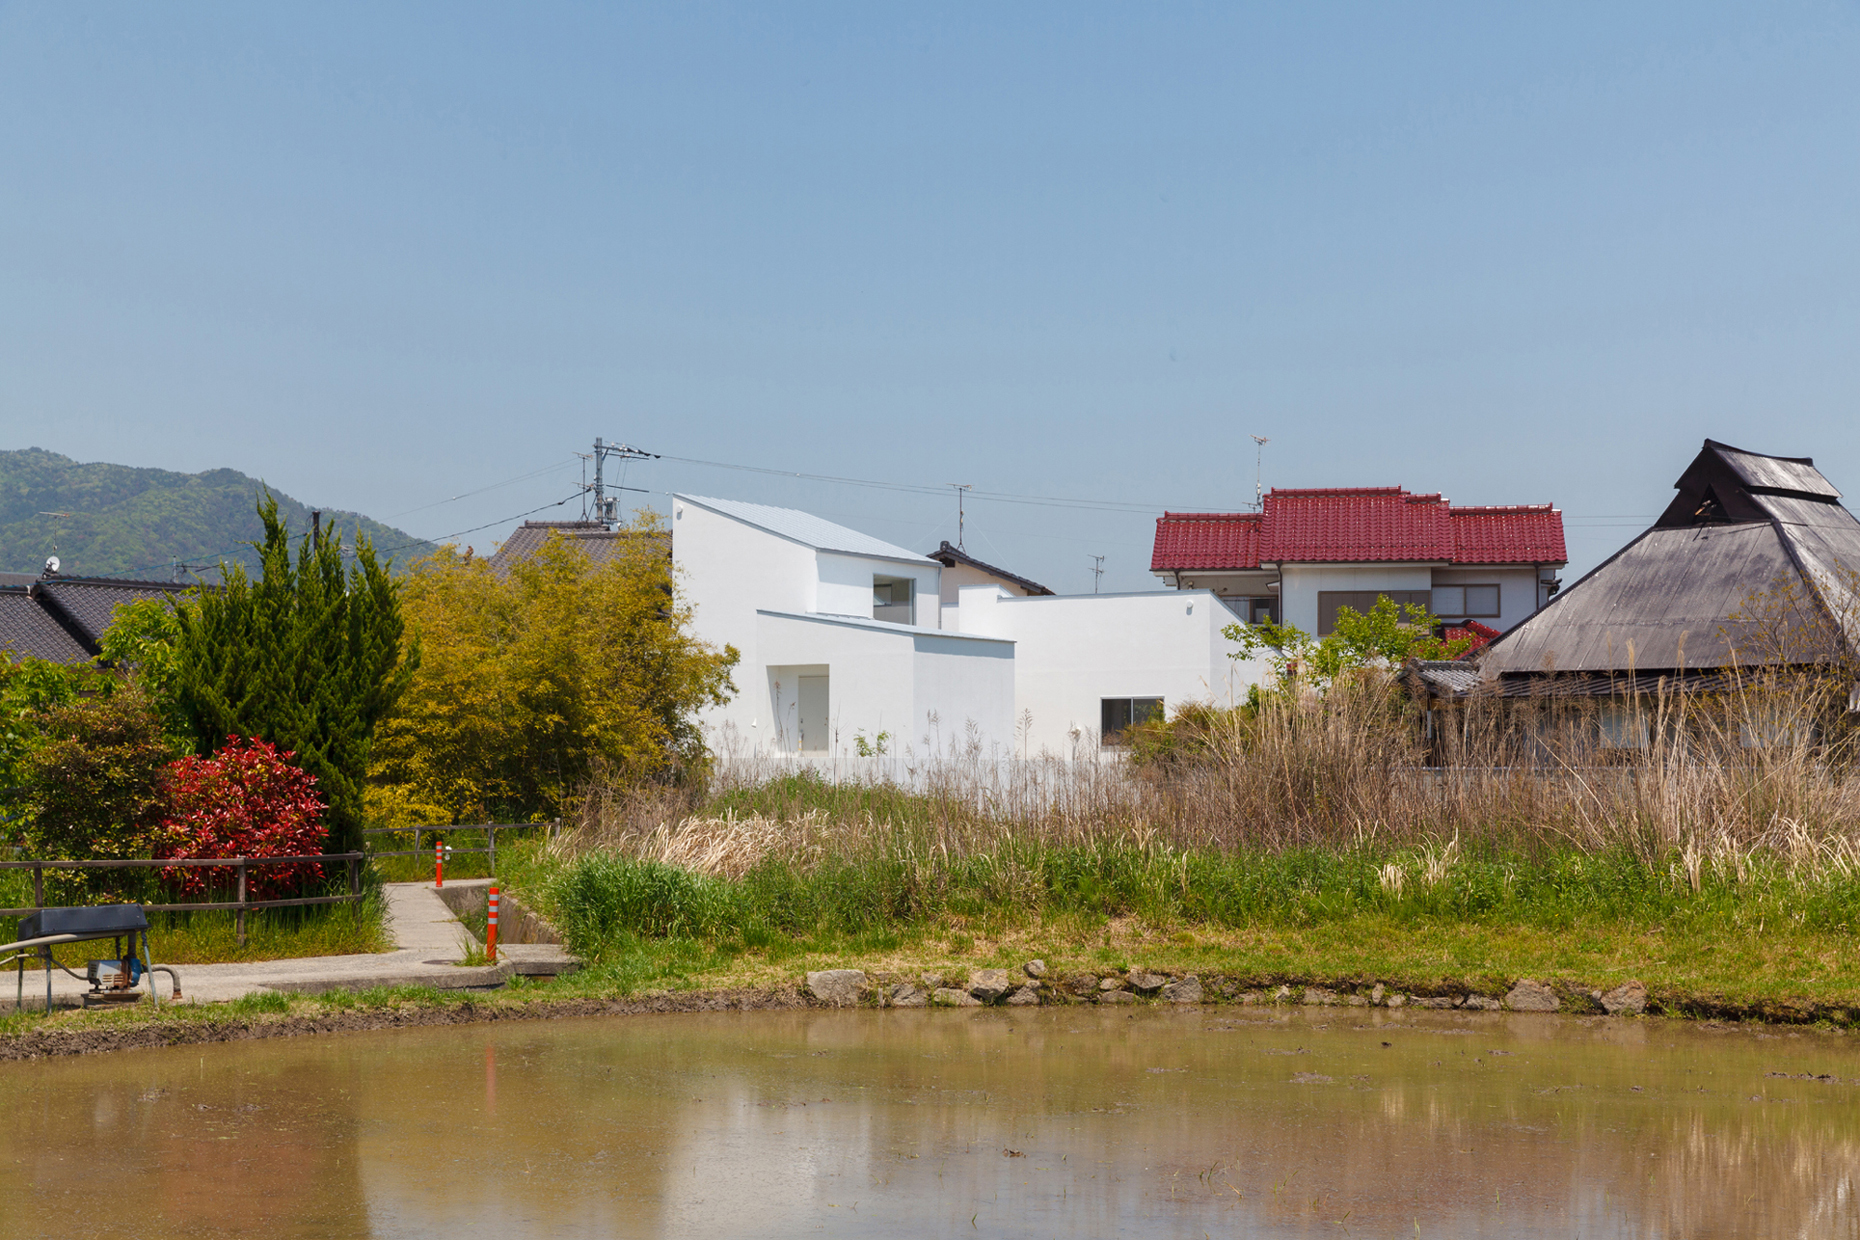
(1097, 571)
(606, 511)
(961, 487)
(1259, 461)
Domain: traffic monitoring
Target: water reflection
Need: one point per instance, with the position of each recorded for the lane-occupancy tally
(1080, 1122)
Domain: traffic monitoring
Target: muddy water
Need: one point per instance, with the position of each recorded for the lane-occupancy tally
(1054, 1122)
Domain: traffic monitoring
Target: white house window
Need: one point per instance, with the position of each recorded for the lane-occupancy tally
(892, 599)
(1454, 601)
(1361, 601)
(1116, 715)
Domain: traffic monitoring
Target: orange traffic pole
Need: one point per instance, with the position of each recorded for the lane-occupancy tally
(439, 865)
(490, 928)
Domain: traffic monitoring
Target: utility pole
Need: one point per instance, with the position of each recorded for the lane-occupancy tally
(316, 529)
(960, 488)
(1097, 571)
(1259, 461)
(606, 511)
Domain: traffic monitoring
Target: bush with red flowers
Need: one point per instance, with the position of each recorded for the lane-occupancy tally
(247, 800)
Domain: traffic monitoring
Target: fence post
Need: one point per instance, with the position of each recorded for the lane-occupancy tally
(355, 877)
(492, 832)
(241, 911)
(38, 886)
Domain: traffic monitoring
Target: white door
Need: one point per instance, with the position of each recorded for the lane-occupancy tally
(813, 703)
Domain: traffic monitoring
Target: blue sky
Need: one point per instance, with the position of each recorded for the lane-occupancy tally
(383, 255)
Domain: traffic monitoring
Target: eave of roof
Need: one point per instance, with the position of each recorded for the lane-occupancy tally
(949, 557)
(881, 626)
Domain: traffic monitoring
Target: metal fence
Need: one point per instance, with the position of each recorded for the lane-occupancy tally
(242, 865)
(490, 830)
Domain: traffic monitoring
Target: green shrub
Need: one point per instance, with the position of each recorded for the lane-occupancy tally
(96, 788)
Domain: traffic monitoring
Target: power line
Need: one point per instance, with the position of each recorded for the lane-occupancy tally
(547, 469)
(487, 525)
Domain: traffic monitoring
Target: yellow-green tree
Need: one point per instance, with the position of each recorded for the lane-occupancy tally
(540, 679)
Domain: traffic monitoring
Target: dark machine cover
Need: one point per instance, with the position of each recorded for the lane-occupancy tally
(96, 919)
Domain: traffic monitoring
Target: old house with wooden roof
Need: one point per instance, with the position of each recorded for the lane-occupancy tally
(600, 541)
(1310, 551)
(1754, 563)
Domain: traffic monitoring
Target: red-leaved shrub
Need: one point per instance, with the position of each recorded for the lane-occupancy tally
(247, 800)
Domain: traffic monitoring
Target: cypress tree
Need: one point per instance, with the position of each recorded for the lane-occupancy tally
(308, 657)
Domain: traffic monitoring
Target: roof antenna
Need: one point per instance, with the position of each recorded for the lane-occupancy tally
(960, 488)
(1259, 461)
(1097, 571)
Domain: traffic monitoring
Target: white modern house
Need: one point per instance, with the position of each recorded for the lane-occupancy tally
(846, 638)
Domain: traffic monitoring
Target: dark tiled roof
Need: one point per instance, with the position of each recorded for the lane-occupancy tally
(64, 618)
(949, 557)
(601, 543)
(1358, 525)
(28, 631)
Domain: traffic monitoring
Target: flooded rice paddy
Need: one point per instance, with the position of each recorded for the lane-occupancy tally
(1043, 1122)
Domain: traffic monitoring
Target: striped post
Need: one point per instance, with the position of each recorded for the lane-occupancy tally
(490, 928)
(439, 863)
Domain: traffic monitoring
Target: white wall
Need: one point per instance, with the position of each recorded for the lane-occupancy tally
(846, 585)
(880, 678)
(729, 570)
(1517, 590)
(1302, 583)
(1072, 651)
(870, 678)
(963, 682)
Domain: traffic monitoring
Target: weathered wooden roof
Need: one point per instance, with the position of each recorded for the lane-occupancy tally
(1701, 589)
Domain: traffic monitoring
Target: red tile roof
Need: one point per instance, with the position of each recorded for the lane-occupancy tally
(1207, 540)
(1479, 633)
(1357, 525)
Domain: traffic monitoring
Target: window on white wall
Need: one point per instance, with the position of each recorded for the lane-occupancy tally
(1453, 601)
(893, 599)
(1360, 601)
(1117, 715)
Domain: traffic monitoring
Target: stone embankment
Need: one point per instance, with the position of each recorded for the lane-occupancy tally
(1032, 985)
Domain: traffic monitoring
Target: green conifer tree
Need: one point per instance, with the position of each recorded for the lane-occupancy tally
(308, 657)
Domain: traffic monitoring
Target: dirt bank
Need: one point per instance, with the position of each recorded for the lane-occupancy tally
(79, 1033)
(199, 1026)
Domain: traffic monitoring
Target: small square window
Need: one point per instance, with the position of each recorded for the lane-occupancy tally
(892, 599)
(1482, 600)
(1450, 600)
(1117, 715)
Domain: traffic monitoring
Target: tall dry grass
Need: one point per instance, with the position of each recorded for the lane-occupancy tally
(1763, 769)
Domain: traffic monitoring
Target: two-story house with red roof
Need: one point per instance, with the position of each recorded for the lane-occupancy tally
(1310, 551)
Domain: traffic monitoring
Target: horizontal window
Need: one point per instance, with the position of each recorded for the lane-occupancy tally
(1452, 602)
(1117, 715)
(1360, 601)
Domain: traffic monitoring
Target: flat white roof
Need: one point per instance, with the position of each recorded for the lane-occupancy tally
(808, 529)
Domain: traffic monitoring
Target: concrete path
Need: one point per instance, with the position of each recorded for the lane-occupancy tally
(428, 941)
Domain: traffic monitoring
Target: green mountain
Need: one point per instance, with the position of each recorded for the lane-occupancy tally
(120, 521)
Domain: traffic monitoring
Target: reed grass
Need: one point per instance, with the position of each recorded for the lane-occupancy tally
(1727, 826)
